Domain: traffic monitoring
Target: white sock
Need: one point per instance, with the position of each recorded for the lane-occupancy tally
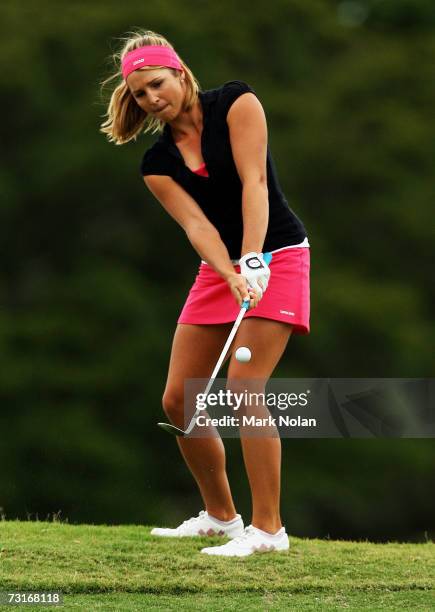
(213, 518)
(270, 535)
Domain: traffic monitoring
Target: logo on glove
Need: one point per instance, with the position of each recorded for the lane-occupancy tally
(254, 263)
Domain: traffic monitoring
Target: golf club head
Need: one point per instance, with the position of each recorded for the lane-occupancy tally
(175, 431)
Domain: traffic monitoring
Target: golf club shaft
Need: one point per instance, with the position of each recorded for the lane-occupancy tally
(220, 361)
(245, 305)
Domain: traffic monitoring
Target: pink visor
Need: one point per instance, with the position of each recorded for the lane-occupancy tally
(150, 55)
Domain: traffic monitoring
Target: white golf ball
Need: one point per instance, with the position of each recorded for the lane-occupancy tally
(243, 354)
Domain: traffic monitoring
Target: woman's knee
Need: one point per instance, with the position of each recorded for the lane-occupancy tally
(248, 394)
(173, 403)
(247, 384)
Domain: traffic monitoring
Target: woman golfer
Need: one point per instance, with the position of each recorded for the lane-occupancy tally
(212, 171)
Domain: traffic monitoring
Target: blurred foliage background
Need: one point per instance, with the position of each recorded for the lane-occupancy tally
(90, 292)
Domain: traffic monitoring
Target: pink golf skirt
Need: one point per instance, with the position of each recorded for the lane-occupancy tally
(287, 297)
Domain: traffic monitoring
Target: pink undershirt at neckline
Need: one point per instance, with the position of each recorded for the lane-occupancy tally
(202, 170)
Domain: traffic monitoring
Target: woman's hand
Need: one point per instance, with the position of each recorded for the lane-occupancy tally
(256, 271)
(241, 291)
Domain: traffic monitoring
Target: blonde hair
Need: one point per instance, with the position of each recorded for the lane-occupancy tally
(125, 119)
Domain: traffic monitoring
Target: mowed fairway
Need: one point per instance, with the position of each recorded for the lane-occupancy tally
(124, 568)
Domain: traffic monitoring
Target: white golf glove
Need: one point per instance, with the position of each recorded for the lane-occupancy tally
(254, 269)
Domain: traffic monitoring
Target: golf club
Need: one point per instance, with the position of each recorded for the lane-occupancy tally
(176, 431)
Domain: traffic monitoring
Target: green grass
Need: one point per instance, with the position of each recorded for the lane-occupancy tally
(124, 568)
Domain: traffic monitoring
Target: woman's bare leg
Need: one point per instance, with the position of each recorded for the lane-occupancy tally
(195, 351)
(267, 340)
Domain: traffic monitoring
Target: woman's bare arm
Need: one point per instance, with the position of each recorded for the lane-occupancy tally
(248, 136)
(201, 233)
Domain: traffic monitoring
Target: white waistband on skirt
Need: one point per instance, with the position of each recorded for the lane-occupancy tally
(303, 244)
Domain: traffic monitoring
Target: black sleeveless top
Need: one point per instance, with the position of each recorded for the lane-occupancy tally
(220, 194)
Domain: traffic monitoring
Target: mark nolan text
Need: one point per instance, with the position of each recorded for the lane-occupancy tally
(252, 421)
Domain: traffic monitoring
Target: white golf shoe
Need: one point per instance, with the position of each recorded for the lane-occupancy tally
(203, 525)
(252, 541)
